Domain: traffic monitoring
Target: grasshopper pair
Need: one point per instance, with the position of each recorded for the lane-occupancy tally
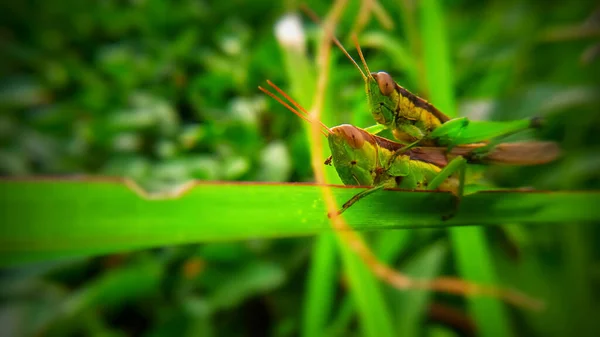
(364, 159)
(413, 120)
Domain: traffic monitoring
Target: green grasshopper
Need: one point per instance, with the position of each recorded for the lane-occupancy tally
(363, 159)
(413, 120)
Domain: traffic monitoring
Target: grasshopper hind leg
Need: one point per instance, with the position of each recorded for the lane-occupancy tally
(456, 165)
(448, 131)
(455, 206)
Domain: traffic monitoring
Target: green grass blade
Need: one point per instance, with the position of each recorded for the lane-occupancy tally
(386, 247)
(343, 318)
(297, 65)
(321, 286)
(364, 289)
(52, 218)
(469, 244)
(438, 70)
(317, 306)
(475, 264)
(413, 304)
(357, 273)
(389, 244)
(366, 294)
(576, 254)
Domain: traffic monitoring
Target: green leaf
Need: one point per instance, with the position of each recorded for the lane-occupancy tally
(254, 279)
(469, 244)
(366, 294)
(52, 218)
(320, 291)
(475, 264)
(414, 304)
(437, 58)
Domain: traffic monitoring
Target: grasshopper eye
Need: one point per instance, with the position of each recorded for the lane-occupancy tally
(385, 82)
(352, 135)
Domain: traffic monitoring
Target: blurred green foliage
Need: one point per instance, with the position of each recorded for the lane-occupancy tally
(159, 92)
(164, 92)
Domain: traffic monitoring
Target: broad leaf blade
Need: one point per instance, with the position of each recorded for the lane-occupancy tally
(47, 219)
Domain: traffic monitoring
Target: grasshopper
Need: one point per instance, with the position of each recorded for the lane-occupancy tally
(413, 120)
(364, 159)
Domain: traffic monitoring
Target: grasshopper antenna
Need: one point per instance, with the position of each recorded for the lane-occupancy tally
(362, 57)
(300, 107)
(304, 114)
(337, 42)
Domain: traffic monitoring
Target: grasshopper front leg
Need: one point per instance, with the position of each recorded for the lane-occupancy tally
(375, 129)
(458, 164)
(359, 196)
(402, 150)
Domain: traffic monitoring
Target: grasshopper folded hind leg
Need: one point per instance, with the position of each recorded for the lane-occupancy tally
(456, 165)
(455, 206)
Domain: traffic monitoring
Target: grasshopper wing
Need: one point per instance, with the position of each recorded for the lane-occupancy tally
(523, 153)
(433, 155)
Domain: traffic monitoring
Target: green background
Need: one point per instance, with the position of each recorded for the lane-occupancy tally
(165, 92)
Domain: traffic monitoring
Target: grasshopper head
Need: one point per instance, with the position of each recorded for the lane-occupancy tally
(380, 88)
(381, 92)
(354, 154)
(354, 151)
